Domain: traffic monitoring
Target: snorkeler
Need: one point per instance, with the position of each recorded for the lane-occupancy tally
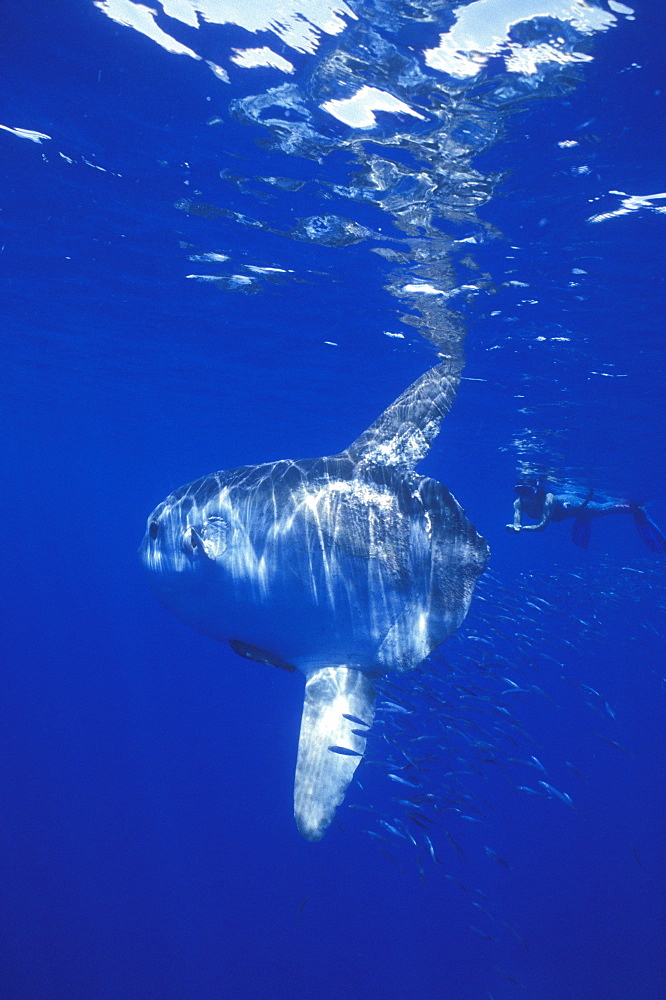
(536, 502)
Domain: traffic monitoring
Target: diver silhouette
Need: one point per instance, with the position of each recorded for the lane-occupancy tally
(537, 502)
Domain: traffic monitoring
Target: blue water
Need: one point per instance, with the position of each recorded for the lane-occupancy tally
(146, 834)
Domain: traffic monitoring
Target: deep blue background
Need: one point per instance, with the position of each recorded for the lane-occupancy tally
(147, 844)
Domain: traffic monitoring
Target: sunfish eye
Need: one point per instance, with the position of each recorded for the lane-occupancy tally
(153, 529)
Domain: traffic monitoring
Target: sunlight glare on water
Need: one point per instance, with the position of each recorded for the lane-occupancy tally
(235, 233)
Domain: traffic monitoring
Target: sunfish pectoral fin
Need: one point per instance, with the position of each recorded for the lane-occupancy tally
(329, 747)
(260, 655)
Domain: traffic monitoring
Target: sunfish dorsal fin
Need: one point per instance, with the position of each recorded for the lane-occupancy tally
(402, 435)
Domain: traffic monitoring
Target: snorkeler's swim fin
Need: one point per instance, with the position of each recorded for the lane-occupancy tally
(580, 532)
(648, 530)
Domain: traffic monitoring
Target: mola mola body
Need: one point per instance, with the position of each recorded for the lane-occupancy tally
(345, 567)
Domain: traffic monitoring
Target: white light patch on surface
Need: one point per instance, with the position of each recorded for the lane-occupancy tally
(142, 19)
(299, 23)
(230, 280)
(358, 111)
(220, 73)
(632, 203)
(25, 133)
(423, 289)
(268, 270)
(96, 166)
(217, 257)
(181, 10)
(251, 58)
(483, 29)
(527, 59)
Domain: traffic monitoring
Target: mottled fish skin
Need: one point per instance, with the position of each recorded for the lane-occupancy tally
(309, 539)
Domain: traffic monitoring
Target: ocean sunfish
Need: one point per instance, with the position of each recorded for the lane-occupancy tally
(344, 568)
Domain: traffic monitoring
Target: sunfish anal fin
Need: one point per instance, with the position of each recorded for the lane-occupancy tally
(323, 774)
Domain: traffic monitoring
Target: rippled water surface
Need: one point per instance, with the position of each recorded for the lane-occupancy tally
(236, 232)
